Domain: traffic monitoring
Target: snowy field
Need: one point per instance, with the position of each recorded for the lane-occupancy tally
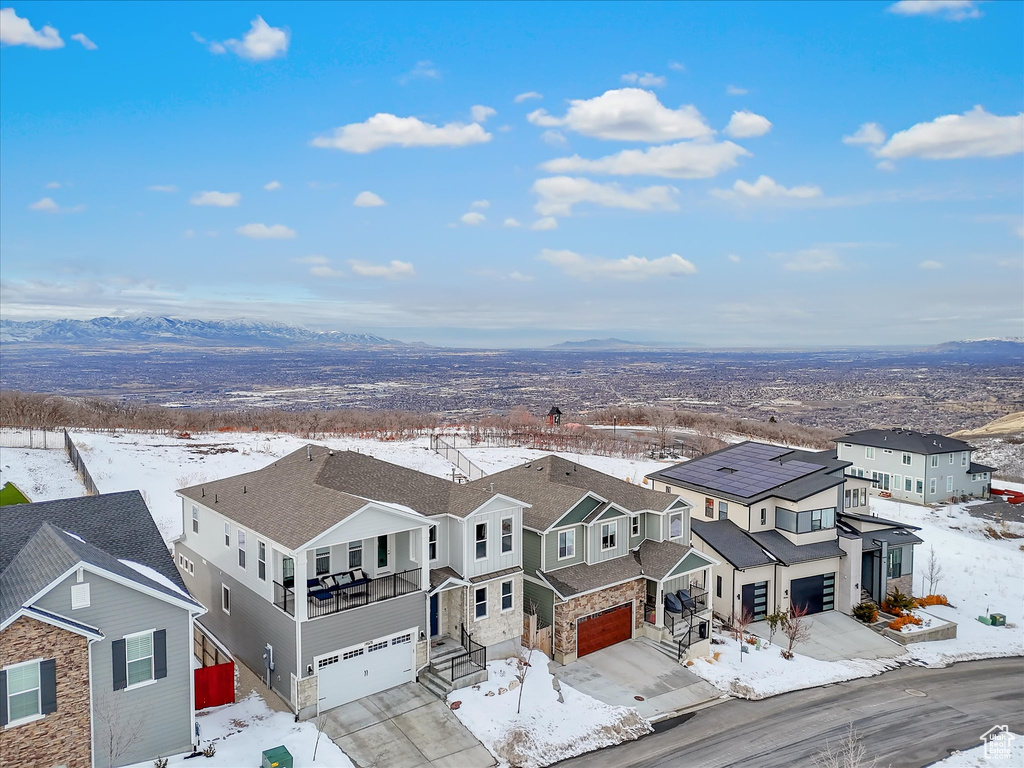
(241, 731)
(42, 475)
(547, 730)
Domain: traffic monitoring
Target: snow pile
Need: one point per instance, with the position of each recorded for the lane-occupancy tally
(547, 730)
(764, 673)
(242, 731)
(975, 757)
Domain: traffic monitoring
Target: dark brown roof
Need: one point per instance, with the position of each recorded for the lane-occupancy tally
(658, 558)
(495, 575)
(439, 576)
(552, 485)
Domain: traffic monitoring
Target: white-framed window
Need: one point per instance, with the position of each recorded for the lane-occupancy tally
(919, 487)
(869, 452)
(566, 544)
(887, 452)
(355, 554)
(323, 561)
(506, 535)
(480, 603)
(908, 483)
(949, 484)
(481, 541)
(225, 599)
(907, 458)
(195, 519)
(723, 510)
(80, 596)
(261, 560)
(227, 534)
(138, 650)
(897, 481)
(952, 458)
(931, 485)
(241, 548)
(856, 498)
(432, 543)
(935, 460)
(506, 596)
(675, 525)
(23, 692)
(634, 525)
(964, 456)
(191, 567)
(608, 536)
(863, 497)
(846, 502)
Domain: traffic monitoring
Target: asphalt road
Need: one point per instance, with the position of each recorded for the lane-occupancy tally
(900, 729)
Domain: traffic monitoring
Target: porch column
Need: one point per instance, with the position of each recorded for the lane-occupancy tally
(424, 560)
(883, 572)
(301, 600)
(659, 606)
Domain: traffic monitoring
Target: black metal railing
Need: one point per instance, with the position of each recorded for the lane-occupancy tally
(472, 659)
(323, 601)
(284, 598)
(680, 623)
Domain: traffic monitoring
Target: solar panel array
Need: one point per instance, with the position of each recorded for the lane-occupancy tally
(755, 469)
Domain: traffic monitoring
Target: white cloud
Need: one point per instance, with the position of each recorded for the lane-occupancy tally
(745, 125)
(869, 133)
(325, 270)
(627, 114)
(885, 165)
(554, 138)
(480, 113)
(677, 66)
(734, 258)
(527, 96)
(813, 260)
(261, 42)
(952, 10)
(263, 232)
(45, 204)
(510, 222)
(645, 79)
(211, 46)
(387, 130)
(766, 188)
(368, 199)
(929, 264)
(735, 90)
(480, 204)
(558, 194)
(520, 277)
(472, 219)
(88, 44)
(545, 224)
(217, 199)
(168, 188)
(976, 133)
(15, 30)
(272, 186)
(424, 70)
(629, 268)
(684, 160)
(394, 270)
(189, 233)
(53, 185)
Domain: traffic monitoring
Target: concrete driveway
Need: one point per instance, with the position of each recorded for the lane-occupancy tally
(616, 675)
(404, 727)
(836, 636)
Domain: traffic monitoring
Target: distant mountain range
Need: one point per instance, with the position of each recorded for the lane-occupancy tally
(613, 345)
(1011, 349)
(172, 332)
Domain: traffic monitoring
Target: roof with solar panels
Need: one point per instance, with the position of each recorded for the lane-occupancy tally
(749, 472)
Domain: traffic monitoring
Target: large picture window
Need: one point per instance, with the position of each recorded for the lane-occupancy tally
(806, 521)
(895, 569)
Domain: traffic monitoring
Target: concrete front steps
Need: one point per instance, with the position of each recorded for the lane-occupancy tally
(435, 677)
(665, 647)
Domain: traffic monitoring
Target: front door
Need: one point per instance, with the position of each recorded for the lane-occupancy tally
(434, 609)
(755, 600)
(867, 573)
(383, 553)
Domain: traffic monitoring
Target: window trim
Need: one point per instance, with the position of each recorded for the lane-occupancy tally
(907, 459)
(764, 515)
(225, 605)
(432, 545)
(195, 519)
(477, 541)
(38, 715)
(351, 549)
(634, 525)
(152, 660)
(227, 534)
(317, 554)
(570, 539)
(242, 548)
(964, 458)
(261, 560)
(682, 525)
(709, 507)
(933, 485)
(869, 452)
(949, 483)
(612, 537)
(510, 535)
(477, 602)
(511, 595)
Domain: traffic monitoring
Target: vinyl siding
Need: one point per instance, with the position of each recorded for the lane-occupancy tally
(254, 622)
(360, 625)
(495, 560)
(551, 549)
(443, 524)
(209, 544)
(621, 540)
(456, 549)
(541, 597)
(164, 707)
(531, 552)
(635, 541)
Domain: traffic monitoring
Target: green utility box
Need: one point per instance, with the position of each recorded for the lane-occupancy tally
(997, 619)
(278, 757)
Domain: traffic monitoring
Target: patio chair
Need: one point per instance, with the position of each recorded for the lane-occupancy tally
(688, 602)
(315, 588)
(673, 604)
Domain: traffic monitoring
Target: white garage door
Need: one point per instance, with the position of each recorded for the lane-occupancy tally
(352, 673)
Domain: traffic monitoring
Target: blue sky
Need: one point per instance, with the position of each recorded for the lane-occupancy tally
(720, 173)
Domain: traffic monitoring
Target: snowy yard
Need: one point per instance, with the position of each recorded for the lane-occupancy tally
(976, 758)
(242, 731)
(42, 475)
(547, 730)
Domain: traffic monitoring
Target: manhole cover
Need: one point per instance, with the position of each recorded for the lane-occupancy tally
(915, 692)
(639, 698)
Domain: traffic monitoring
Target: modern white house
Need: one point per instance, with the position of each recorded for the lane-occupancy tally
(918, 467)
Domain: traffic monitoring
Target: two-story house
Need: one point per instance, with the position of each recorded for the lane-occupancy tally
(336, 575)
(770, 515)
(914, 466)
(605, 560)
(95, 636)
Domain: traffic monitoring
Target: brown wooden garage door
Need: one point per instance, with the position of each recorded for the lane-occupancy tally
(599, 630)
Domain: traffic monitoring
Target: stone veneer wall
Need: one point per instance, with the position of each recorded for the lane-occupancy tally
(64, 737)
(567, 613)
(904, 582)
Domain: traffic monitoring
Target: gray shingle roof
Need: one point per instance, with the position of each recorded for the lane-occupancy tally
(906, 440)
(732, 543)
(303, 494)
(789, 553)
(658, 558)
(577, 579)
(977, 469)
(495, 575)
(894, 537)
(552, 485)
(877, 520)
(119, 523)
(439, 576)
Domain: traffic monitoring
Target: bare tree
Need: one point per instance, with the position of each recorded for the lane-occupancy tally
(118, 725)
(739, 626)
(796, 629)
(526, 655)
(932, 572)
(661, 419)
(321, 723)
(848, 753)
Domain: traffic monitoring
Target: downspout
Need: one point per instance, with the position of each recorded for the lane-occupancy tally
(92, 710)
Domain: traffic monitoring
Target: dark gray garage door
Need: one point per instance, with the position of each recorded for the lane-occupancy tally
(815, 593)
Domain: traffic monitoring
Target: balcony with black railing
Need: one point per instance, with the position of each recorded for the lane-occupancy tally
(284, 598)
(326, 600)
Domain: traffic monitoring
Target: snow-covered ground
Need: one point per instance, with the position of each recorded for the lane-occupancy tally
(976, 757)
(547, 730)
(763, 673)
(242, 731)
(497, 459)
(42, 475)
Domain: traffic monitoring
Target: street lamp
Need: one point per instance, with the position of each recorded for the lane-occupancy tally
(615, 423)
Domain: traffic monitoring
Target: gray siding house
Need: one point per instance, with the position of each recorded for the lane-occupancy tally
(324, 573)
(95, 635)
(918, 467)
